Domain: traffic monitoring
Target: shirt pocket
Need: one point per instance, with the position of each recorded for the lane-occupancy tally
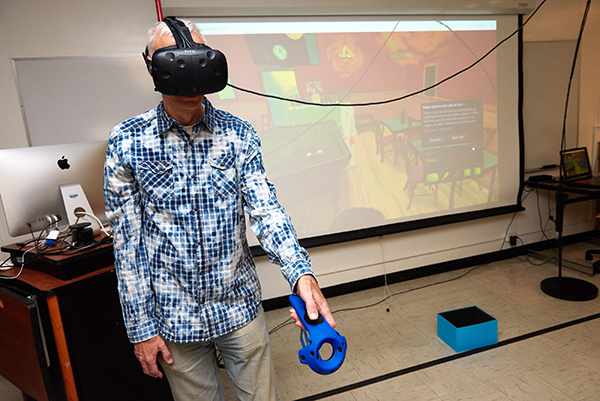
(157, 179)
(223, 175)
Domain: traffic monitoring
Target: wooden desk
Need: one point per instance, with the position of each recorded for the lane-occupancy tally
(65, 339)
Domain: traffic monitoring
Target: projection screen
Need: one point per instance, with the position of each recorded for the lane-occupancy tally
(420, 155)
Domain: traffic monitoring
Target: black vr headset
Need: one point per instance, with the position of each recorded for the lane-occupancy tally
(188, 68)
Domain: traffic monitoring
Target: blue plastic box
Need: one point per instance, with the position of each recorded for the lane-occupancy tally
(467, 328)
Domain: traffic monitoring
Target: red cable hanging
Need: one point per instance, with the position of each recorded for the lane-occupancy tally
(158, 10)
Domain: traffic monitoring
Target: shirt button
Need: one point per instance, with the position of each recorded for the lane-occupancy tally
(195, 209)
(193, 176)
(199, 243)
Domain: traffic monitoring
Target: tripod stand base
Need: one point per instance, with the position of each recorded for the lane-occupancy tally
(568, 288)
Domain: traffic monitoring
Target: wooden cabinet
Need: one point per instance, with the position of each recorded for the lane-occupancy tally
(24, 358)
(65, 340)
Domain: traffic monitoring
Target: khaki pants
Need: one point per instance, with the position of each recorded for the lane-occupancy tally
(194, 373)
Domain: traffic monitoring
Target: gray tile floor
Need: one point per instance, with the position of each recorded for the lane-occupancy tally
(399, 334)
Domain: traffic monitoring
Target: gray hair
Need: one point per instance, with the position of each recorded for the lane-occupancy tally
(162, 29)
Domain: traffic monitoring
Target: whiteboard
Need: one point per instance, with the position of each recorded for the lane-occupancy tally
(546, 70)
(79, 99)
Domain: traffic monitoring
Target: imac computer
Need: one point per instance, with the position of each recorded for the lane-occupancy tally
(42, 184)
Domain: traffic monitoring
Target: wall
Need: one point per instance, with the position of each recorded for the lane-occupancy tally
(37, 28)
(556, 23)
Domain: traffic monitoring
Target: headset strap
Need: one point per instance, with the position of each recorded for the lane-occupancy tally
(181, 33)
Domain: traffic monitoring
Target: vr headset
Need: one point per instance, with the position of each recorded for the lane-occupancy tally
(188, 68)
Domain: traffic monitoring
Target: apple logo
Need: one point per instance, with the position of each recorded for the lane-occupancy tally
(63, 163)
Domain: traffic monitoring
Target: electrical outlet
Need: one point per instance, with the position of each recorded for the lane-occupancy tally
(510, 234)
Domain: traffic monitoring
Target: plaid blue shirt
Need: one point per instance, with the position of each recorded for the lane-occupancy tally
(175, 203)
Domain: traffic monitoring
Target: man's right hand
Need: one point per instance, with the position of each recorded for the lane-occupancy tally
(147, 351)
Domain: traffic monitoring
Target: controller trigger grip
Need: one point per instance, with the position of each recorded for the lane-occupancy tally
(313, 322)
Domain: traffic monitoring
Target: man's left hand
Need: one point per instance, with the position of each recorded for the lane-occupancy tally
(308, 289)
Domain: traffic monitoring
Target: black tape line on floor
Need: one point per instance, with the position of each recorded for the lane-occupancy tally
(402, 372)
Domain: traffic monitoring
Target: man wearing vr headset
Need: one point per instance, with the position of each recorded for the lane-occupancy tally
(178, 179)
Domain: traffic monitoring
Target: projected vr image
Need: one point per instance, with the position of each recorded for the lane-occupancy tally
(340, 168)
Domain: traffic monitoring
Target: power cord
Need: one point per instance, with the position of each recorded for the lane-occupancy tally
(51, 244)
(291, 321)
(397, 98)
(528, 258)
(4, 266)
(80, 213)
(390, 295)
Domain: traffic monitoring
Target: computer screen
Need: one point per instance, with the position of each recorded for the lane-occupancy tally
(30, 179)
(576, 163)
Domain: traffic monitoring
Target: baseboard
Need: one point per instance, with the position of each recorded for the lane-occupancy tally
(405, 275)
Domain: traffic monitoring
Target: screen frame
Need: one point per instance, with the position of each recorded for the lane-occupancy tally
(563, 165)
(426, 222)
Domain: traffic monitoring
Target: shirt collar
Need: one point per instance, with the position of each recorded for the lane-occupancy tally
(209, 118)
(165, 122)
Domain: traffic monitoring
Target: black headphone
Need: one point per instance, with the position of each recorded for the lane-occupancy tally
(187, 68)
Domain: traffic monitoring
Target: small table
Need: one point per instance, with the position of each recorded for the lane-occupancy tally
(398, 125)
(561, 287)
(490, 164)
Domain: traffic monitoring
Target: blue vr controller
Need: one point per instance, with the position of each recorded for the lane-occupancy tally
(319, 333)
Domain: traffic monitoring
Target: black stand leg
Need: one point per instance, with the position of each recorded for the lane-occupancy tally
(567, 288)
